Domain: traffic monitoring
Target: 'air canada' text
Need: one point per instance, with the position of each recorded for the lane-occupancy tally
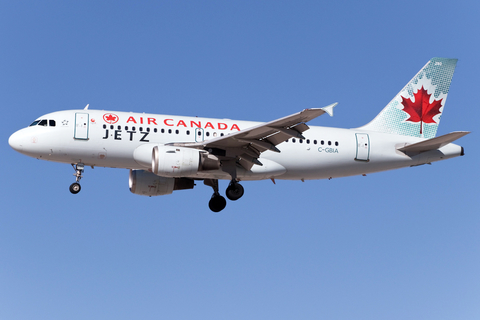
(183, 123)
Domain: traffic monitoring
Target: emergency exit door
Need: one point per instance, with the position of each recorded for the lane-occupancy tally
(363, 147)
(81, 126)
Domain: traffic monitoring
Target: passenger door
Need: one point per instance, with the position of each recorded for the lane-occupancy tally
(363, 147)
(81, 126)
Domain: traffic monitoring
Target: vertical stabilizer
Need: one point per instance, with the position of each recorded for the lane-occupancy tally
(417, 109)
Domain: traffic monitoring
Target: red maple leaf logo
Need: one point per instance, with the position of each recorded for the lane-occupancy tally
(110, 118)
(421, 110)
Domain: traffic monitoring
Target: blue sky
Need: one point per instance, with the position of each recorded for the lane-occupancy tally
(395, 245)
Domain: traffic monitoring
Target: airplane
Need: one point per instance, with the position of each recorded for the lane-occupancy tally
(166, 153)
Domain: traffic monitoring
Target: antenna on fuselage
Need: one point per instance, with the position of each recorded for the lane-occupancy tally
(86, 107)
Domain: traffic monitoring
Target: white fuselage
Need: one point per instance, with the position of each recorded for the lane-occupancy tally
(94, 138)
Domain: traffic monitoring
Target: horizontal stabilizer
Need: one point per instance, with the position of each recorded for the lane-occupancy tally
(434, 143)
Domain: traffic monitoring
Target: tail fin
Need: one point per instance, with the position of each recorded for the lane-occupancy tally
(416, 110)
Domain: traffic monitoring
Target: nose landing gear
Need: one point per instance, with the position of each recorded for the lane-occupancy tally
(79, 168)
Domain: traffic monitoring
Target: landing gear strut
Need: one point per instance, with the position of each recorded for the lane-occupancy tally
(235, 190)
(217, 203)
(79, 168)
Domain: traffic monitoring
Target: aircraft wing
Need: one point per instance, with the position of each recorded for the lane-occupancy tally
(247, 145)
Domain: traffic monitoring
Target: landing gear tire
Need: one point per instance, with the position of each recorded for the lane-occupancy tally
(75, 188)
(234, 191)
(217, 203)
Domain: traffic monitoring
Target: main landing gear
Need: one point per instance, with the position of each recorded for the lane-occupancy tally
(234, 191)
(217, 203)
(79, 168)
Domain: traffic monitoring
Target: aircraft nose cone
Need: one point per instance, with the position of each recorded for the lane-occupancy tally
(16, 141)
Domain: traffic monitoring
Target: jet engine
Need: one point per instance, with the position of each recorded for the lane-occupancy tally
(172, 161)
(148, 184)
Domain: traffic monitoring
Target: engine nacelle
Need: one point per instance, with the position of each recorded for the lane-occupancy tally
(171, 161)
(146, 183)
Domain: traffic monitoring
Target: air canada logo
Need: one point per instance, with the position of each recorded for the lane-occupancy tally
(422, 110)
(110, 118)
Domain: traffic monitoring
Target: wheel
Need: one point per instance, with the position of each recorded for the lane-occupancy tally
(234, 191)
(217, 203)
(75, 188)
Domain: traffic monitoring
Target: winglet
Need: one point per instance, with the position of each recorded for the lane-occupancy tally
(329, 109)
(86, 108)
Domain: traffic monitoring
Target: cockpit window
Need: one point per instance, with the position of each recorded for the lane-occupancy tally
(44, 122)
